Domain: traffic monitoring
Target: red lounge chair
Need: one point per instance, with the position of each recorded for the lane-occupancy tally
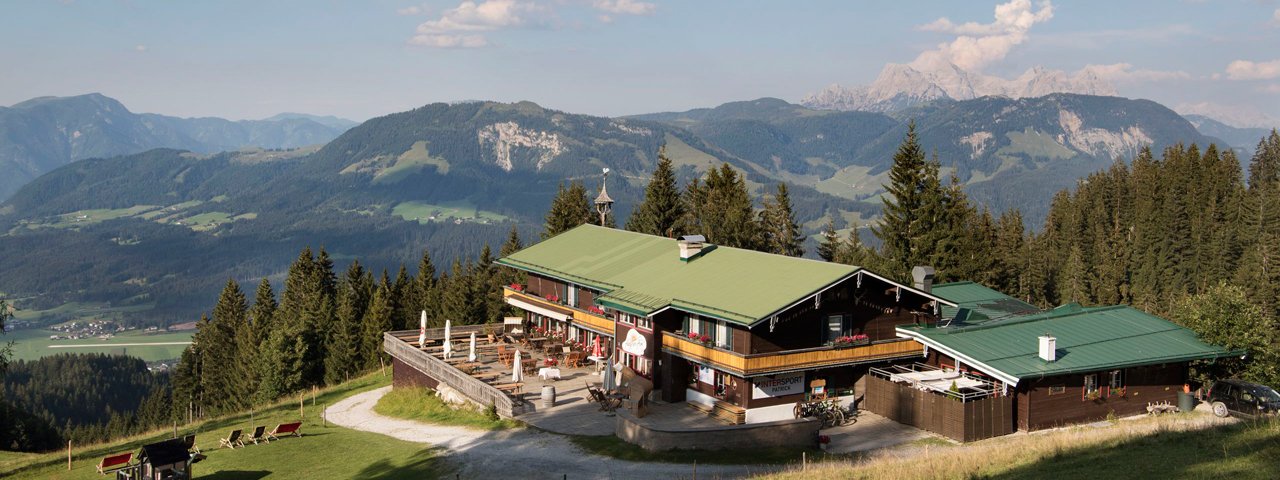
(114, 462)
(285, 429)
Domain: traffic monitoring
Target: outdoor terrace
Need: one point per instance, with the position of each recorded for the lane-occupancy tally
(788, 360)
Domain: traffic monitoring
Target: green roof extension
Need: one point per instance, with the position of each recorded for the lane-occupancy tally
(1088, 340)
(643, 273)
(978, 304)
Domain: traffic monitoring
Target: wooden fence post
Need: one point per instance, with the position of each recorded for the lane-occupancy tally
(68, 455)
(302, 400)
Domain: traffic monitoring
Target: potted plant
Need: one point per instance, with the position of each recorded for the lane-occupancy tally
(705, 339)
(1094, 395)
(516, 286)
(553, 298)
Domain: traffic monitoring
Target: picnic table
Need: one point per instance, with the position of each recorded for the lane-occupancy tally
(510, 387)
(483, 376)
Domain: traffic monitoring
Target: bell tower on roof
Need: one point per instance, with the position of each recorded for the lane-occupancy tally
(604, 204)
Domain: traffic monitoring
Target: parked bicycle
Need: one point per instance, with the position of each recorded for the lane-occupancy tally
(829, 411)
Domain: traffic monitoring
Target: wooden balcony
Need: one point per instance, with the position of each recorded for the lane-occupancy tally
(789, 360)
(577, 316)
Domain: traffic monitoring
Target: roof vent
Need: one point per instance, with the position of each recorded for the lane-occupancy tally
(1048, 348)
(923, 276)
(692, 246)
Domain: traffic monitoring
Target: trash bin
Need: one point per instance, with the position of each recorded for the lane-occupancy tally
(548, 396)
(1186, 402)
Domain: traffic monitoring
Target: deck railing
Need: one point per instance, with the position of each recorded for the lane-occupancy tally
(789, 360)
(438, 369)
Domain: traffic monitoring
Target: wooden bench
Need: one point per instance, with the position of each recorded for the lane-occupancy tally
(730, 413)
(114, 462)
(510, 388)
(486, 375)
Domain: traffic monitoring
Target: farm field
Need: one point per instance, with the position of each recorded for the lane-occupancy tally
(31, 344)
(429, 213)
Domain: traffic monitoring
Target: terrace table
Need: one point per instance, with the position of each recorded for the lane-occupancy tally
(547, 373)
(597, 360)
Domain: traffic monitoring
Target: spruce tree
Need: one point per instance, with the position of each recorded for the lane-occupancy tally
(829, 246)
(261, 322)
(508, 275)
(662, 209)
(902, 216)
(722, 209)
(426, 294)
(853, 252)
(346, 347)
(377, 319)
(217, 339)
(780, 231)
(570, 208)
(406, 317)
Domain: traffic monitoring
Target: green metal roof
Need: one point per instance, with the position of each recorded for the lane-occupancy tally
(1088, 339)
(643, 273)
(978, 304)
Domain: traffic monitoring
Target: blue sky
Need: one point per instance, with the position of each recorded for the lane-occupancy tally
(360, 59)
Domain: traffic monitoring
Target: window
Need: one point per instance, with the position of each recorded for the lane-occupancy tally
(1117, 379)
(1057, 389)
(571, 291)
(1091, 386)
(626, 318)
(644, 322)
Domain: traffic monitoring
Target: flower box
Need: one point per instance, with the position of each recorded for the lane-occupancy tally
(553, 298)
(851, 340)
(516, 286)
(596, 310)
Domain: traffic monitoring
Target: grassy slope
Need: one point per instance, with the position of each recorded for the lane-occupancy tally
(423, 405)
(1149, 448)
(323, 451)
(31, 344)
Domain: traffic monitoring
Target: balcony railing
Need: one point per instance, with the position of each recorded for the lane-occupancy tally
(788, 360)
(591, 320)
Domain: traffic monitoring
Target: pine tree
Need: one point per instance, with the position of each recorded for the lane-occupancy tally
(662, 208)
(508, 275)
(570, 208)
(426, 294)
(853, 252)
(406, 316)
(722, 211)
(902, 217)
(1073, 286)
(261, 322)
(346, 347)
(781, 233)
(217, 340)
(829, 247)
(377, 319)
(488, 288)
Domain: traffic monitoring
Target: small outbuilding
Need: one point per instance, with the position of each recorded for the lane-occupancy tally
(167, 460)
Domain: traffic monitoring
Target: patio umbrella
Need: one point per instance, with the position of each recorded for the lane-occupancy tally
(608, 375)
(516, 374)
(448, 344)
(471, 357)
(596, 351)
(422, 330)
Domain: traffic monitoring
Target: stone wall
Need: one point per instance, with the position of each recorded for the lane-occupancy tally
(799, 433)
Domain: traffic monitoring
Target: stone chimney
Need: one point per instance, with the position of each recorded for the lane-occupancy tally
(1048, 348)
(691, 246)
(923, 276)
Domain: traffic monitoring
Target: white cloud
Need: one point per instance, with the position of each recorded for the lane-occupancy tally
(409, 11)
(1240, 116)
(1275, 18)
(1247, 70)
(458, 27)
(140, 48)
(1125, 73)
(979, 44)
(623, 7)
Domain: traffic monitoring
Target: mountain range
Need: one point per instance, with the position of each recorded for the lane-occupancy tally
(163, 229)
(902, 86)
(44, 133)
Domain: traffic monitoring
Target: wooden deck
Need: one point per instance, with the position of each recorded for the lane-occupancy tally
(789, 360)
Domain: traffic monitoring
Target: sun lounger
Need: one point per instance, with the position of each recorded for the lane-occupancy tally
(285, 429)
(232, 441)
(189, 441)
(114, 462)
(259, 435)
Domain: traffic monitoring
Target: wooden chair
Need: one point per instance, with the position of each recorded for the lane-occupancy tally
(574, 359)
(285, 429)
(259, 435)
(232, 441)
(189, 441)
(114, 462)
(504, 356)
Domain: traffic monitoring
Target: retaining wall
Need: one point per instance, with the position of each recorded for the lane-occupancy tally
(800, 433)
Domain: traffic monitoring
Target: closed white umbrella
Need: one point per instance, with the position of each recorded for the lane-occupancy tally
(471, 357)
(516, 374)
(422, 330)
(448, 344)
(608, 375)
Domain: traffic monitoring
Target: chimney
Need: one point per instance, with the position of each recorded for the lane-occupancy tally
(1048, 348)
(923, 276)
(691, 246)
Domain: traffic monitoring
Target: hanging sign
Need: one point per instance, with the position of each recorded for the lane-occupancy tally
(634, 343)
(777, 385)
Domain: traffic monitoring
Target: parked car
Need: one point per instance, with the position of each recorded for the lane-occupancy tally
(1245, 399)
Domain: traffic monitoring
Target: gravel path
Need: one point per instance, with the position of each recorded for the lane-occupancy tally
(524, 453)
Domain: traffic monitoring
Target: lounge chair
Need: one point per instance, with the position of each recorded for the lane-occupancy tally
(259, 435)
(114, 462)
(285, 429)
(232, 441)
(189, 441)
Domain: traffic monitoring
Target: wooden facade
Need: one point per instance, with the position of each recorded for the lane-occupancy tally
(964, 421)
(1056, 401)
(791, 360)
